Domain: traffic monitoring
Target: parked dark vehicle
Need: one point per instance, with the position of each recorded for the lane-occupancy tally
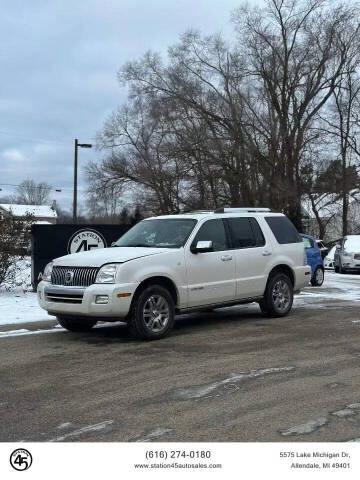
(314, 259)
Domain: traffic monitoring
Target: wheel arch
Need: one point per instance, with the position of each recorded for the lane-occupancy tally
(158, 280)
(283, 268)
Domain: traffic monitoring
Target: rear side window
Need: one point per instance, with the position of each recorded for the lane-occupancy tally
(245, 233)
(213, 230)
(283, 230)
(307, 242)
(259, 237)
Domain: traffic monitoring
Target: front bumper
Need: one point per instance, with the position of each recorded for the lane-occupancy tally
(350, 263)
(57, 299)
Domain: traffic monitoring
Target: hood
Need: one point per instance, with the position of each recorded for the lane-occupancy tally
(100, 256)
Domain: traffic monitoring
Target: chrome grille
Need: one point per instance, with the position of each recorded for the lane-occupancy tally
(81, 276)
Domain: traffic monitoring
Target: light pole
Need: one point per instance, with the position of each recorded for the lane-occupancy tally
(82, 145)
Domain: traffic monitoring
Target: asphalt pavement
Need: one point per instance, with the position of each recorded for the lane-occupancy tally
(228, 375)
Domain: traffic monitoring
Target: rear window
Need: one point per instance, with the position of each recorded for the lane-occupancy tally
(283, 230)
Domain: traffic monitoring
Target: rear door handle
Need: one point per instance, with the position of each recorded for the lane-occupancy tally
(266, 253)
(226, 258)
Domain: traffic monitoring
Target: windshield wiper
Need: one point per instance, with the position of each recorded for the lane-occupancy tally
(137, 245)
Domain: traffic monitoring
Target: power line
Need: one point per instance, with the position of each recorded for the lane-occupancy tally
(41, 188)
(50, 141)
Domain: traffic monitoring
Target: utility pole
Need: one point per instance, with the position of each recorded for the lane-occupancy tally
(75, 181)
(82, 145)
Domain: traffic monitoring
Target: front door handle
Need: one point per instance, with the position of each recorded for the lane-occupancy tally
(226, 258)
(266, 253)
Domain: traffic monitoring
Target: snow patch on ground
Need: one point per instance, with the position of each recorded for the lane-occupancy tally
(158, 432)
(345, 412)
(305, 428)
(81, 431)
(24, 331)
(21, 307)
(64, 425)
(226, 385)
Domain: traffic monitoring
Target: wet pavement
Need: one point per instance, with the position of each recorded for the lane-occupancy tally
(228, 375)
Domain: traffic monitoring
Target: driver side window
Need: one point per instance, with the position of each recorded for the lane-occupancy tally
(213, 230)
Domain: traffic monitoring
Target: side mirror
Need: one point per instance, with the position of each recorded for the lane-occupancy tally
(203, 246)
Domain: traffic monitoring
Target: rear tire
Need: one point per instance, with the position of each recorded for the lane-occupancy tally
(336, 268)
(318, 277)
(341, 269)
(76, 324)
(153, 313)
(278, 297)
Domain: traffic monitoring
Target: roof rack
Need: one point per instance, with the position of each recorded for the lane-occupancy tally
(242, 209)
(198, 211)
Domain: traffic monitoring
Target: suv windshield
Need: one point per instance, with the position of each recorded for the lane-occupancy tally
(158, 233)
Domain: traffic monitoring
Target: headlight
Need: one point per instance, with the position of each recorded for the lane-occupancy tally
(107, 273)
(47, 272)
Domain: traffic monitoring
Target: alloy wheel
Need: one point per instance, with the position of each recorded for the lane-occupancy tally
(281, 295)
(319, 277)
(156, 313)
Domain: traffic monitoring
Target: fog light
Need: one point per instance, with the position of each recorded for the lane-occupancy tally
(102, 299)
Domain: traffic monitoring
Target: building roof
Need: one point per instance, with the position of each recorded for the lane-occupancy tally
(37, 211)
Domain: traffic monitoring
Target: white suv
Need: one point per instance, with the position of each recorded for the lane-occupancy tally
(176, 264)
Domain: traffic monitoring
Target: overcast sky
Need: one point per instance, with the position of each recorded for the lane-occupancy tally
(59, 61)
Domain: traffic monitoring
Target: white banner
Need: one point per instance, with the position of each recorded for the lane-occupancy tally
(174, 460)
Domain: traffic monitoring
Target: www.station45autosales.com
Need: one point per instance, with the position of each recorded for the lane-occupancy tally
(317, 459)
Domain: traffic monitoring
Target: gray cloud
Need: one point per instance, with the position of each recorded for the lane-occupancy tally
(59, 64)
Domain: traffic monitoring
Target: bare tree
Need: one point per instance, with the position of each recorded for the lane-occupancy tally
(299, 52)
(341, 121)
(233, 124)
(31, 193)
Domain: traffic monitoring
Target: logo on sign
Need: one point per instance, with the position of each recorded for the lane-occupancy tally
(85, 240)
(21, 459)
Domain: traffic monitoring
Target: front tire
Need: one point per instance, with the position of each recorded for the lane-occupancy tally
(341, 269)
(278, 297)
(153, 313)
(318, 277)
(75, 324)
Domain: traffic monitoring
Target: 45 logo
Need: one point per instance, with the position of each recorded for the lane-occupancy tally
(21, 459)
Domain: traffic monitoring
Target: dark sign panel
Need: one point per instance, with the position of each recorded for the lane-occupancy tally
(53, 241)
